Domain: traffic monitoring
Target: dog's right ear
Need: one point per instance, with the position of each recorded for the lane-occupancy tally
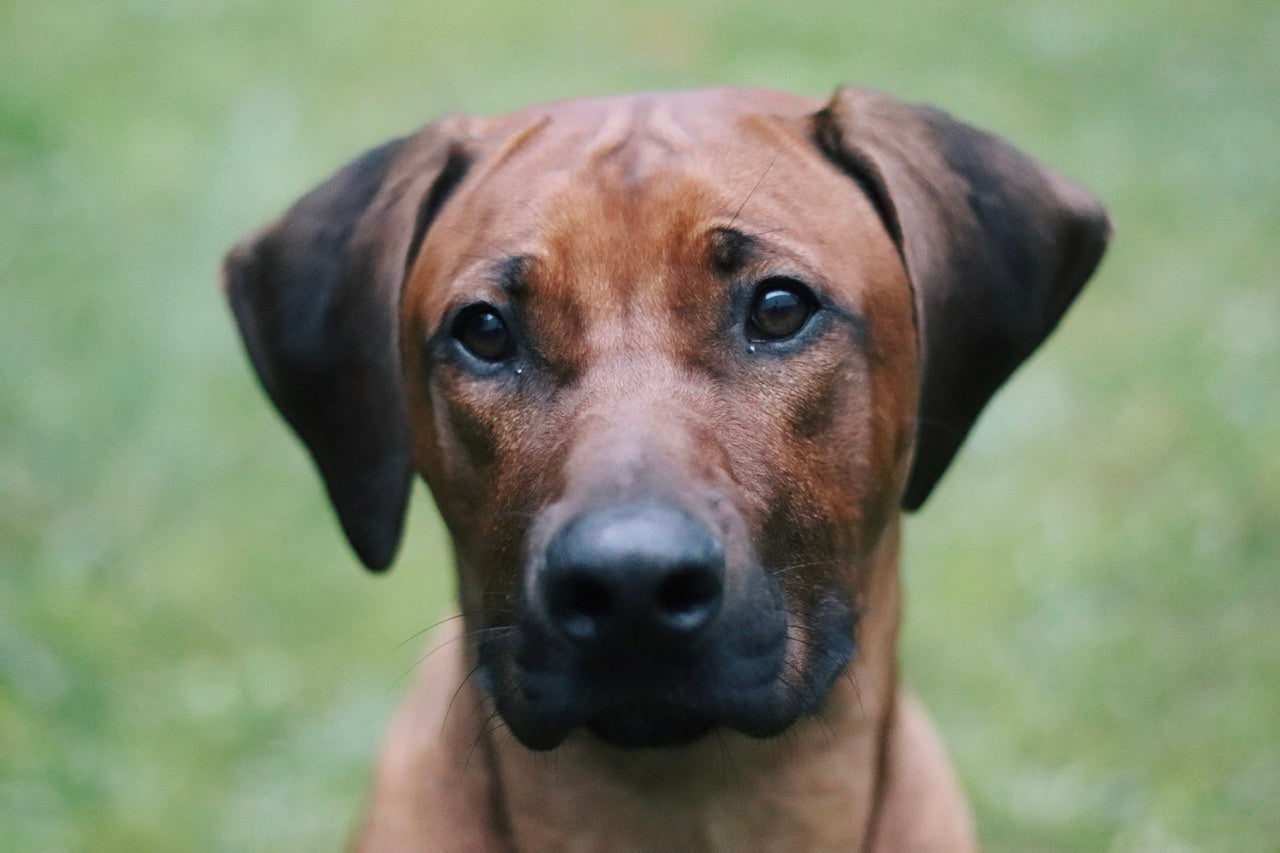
(316, 296)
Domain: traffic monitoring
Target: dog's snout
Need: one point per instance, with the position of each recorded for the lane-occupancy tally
(640, 573)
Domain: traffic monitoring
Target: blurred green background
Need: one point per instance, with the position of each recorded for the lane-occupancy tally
(190, 657)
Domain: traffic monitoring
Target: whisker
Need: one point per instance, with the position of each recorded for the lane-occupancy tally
(808, 565)
(729, 769)
(415, 635)
(457, 692)
(487, 727)
(759, 181)
(466, 635)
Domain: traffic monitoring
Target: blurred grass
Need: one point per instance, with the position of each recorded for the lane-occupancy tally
(189, 656)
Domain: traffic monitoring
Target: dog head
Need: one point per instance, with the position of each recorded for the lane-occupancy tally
(669, 365)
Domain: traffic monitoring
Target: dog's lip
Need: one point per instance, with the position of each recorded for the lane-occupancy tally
(748, 680)
(650, 727)
(542, 711)
(649, 724)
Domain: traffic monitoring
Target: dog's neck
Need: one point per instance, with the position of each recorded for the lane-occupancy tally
(811, 788)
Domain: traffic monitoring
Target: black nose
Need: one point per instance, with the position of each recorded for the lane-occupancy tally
(643, 573)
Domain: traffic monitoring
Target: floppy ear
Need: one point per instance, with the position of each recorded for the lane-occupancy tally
(996, 247)
(316, 295)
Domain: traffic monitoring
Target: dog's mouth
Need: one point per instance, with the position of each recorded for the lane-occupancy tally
(756, 675)
(650, 727)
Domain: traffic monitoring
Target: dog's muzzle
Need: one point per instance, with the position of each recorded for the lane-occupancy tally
(636, 625)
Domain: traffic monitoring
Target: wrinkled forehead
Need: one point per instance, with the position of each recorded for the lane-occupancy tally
(621, 189)
(625, 159)
(632, 138)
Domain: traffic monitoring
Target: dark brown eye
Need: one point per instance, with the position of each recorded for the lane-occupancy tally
(481, 331)
(779, 309)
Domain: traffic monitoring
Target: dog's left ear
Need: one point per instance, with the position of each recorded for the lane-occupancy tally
(996, 247)
(316, 295)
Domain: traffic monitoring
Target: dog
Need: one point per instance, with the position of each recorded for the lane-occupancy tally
(672, 365)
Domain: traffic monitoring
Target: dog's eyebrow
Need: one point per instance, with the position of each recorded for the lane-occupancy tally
(512, 275)
(731, 250)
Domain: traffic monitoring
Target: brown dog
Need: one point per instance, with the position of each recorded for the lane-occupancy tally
(670, 365)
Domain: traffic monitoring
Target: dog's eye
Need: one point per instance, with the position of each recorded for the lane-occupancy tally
(779, 309)
(483, 333)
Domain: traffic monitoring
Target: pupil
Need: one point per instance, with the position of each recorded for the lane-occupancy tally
(487, 328)
(780, 313)
(485, 334)
(780, 304)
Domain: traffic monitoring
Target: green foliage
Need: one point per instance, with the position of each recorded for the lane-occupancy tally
(189, 656)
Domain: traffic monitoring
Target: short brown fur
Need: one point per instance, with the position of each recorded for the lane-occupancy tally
(624, 241)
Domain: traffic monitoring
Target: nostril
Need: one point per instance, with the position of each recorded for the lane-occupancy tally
(580, 604)
(587, 598)
(687, 598)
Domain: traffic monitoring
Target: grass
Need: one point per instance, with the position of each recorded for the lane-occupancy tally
(189, 656)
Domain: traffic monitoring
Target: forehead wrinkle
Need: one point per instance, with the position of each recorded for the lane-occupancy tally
(611, 136)
(666, 128)
(513, 144)
(635, 138)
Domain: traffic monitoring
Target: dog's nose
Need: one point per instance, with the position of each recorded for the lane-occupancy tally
(637, 573)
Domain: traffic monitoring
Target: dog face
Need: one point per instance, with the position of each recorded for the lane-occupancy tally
(663, 362)
(664, 412)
